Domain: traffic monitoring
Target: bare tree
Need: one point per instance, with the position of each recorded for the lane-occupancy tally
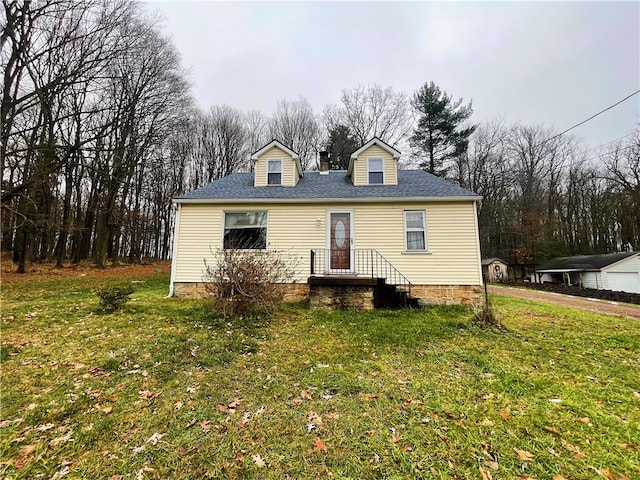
(372, 111)
(294, 124)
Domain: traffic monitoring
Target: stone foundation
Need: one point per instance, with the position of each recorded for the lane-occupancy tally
(467, 295)
(189, 290)
(293, 292)
(358, 297)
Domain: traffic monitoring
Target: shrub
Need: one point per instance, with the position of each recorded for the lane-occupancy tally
(247, 280)
(114, 297)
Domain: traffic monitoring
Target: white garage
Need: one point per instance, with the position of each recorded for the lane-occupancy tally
(619, 272)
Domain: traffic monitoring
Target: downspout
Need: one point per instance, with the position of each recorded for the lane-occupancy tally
(174, 252)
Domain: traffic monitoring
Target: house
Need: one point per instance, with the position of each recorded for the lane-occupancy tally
(495, 270)
(360, 228)
(611, 271)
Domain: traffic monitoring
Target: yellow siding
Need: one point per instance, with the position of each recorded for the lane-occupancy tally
(360, 166)
(200, 230)
(453, 256)
(290, 174)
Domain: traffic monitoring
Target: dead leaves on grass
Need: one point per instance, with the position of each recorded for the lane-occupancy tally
(319, 445)
(524, 455)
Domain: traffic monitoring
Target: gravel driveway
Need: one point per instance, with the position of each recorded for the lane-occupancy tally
(600, 306)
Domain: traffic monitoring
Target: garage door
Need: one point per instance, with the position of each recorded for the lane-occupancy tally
(624, 281)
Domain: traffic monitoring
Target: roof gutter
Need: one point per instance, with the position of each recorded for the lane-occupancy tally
(468, 198)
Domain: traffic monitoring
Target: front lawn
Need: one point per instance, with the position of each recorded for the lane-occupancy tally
(163, 389)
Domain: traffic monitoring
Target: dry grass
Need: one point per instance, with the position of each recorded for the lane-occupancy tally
(162, 389)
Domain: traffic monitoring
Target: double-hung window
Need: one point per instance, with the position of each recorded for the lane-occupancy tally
(245, 230)
(415, 231)
(375, 168)
(274, 172)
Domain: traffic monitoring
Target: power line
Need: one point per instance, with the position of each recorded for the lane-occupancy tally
(622, 149)
(608, 143)
(594, 116)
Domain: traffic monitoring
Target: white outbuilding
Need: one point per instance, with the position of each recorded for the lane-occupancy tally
(619, 272)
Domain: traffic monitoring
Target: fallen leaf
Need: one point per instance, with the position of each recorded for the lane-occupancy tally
(147, 394)
(484, 475)
(319, 445)
(26, 450)
(115, 477)
(486, 422)
(524, 455)
(306, 395)
(61, 473)
(107, 410)
(407, 448)
(297, 401)
(222, 408)
(235, 403)
(506, 415)
(155, 438)
(573, 449)
(526, 477)
(205, 425)
(45, 427)
(586, 420)
(606, 473)
(491, 464)
(257, 459)
(558, 477)
(177, 405)
(142, 471)
(63, 439)
(313, 417)
(332, 416)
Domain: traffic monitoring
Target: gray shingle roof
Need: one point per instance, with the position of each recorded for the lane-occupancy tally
(584, 262)
(335, 185)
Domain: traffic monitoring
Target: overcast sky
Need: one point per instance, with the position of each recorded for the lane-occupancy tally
(535, 63)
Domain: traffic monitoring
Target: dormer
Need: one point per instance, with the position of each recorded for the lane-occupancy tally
(375, 163)
(276, 165)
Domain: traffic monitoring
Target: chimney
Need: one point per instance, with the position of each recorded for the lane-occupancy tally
(324, 161)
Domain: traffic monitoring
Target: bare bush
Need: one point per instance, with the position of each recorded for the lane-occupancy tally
(248, 280)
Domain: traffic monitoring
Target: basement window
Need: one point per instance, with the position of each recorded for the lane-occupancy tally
(245, 230)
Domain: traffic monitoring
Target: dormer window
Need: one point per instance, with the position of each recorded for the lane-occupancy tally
(375, 168)
(274, 172)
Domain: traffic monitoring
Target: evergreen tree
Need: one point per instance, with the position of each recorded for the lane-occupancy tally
(439, 135)
(341, 145)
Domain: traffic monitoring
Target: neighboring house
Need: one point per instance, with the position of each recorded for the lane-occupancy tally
(372, 221)
(495, 270)
(612, 271)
